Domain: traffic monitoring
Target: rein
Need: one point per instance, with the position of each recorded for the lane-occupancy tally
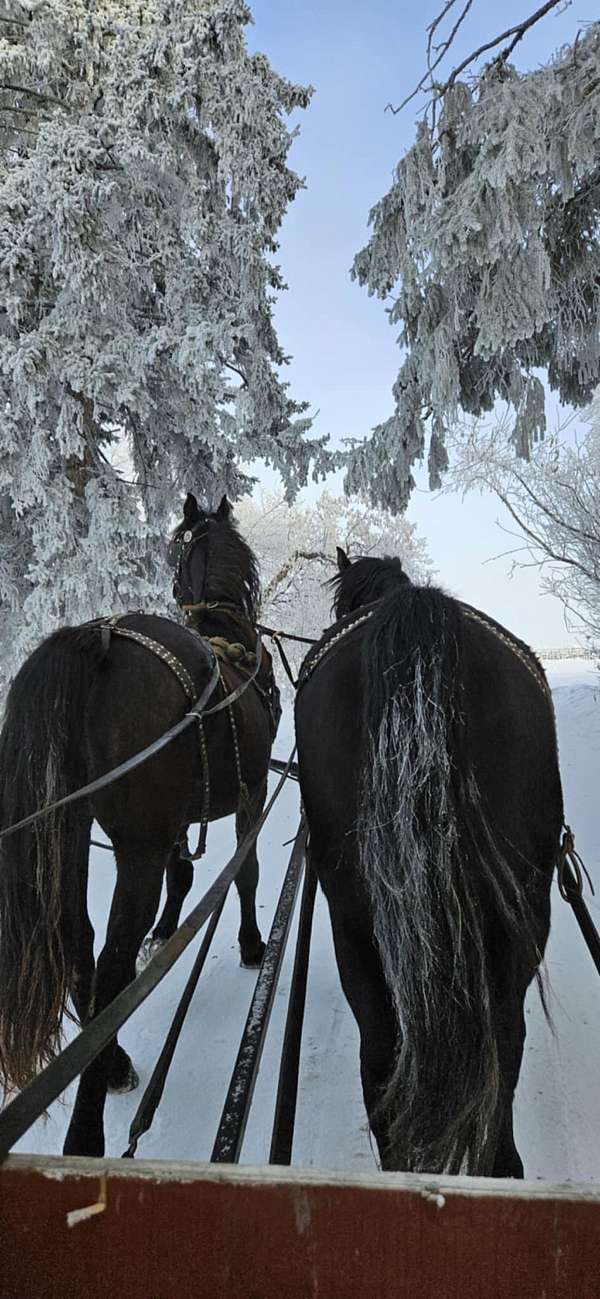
(39, 1094)
(571, 871)
(285, 635)
(196, 714)
(203, 606)
(276, 636)
(569, 867)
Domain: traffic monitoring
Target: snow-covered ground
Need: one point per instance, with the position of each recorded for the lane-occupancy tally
(558, 1103)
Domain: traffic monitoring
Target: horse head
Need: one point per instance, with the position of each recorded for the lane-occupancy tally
(360, 581)
(211, 562)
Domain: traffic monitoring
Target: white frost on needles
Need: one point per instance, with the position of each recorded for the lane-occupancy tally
(488, 240)
(143, 178)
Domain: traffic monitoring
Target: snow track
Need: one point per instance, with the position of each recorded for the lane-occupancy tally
(558, 1099)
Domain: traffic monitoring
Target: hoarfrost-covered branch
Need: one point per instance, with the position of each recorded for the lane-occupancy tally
(488, 241)
(441, 49)
(555, 503)
(143, 179)
(296, 548)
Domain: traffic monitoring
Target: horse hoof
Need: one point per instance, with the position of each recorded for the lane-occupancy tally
(252, 960)
(122, 1076)
(127, 1083)
(149, 948)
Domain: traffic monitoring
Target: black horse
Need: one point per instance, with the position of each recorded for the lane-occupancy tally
(429, 773)
(84, 702)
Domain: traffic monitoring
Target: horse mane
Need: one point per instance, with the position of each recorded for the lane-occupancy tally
(232, 567)
(365, 580)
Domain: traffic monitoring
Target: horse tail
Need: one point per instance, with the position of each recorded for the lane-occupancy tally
(42, 758)
(432, 865)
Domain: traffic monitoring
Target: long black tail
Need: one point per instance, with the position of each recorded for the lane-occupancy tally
(41, 760)
(423, 823)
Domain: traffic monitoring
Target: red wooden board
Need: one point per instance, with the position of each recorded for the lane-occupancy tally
(189, 1231)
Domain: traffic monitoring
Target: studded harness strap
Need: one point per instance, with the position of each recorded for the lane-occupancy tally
(527, 658)
(313, 659)
(522, 652)
(111, 626)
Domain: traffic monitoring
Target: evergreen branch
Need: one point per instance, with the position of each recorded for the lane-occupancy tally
(23, 130)
(229, 366)
(35, 94)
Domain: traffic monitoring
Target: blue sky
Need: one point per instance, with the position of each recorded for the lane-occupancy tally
(360, 55)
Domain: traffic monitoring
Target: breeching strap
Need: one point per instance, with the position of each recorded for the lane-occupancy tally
(43, 1090)
(196, 714)
(136, 761)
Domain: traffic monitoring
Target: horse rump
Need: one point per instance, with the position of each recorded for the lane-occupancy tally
(453, 920)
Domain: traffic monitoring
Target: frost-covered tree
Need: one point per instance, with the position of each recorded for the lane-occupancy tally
(143, 178)
(554, 501)
(296, 548)
(487, 246)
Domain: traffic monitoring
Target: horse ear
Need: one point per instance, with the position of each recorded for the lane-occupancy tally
(342, 559)
(190, 509)
(224, 511)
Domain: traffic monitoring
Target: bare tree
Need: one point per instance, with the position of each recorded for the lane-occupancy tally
(296, 548)
(554, 501)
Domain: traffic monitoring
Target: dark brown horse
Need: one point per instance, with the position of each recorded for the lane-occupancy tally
(429, 774)
(84, 702)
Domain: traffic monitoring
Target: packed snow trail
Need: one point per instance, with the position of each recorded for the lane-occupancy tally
(558, 1100)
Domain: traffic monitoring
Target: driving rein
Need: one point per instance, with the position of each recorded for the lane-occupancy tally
(197, 713)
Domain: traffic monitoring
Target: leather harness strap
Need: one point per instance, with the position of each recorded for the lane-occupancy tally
(111, 626)
(522, 651)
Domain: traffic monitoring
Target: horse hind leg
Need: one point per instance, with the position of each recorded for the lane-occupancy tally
(507, 1161)
(122, 1075)
(140, 867)
(252, 948)
(180, 877)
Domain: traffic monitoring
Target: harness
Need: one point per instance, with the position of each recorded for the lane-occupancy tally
(245, 662)
(315, 656)
(112, 626)
(233, 652)
(570, 868)
(340, 630)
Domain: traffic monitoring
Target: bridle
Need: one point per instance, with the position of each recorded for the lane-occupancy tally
(178, 554)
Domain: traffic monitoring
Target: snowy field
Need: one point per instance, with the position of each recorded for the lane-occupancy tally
(558, 1100)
